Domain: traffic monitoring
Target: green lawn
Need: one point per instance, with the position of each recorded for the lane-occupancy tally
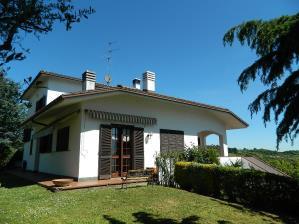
(22, 202)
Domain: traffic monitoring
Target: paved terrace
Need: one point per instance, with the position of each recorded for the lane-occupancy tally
(45, 180)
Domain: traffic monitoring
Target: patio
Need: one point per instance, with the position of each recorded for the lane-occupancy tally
(45, 180)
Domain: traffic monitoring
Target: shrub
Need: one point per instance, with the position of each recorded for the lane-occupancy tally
(6, 154)
(165, 162)
(249, 187)
(202, 155)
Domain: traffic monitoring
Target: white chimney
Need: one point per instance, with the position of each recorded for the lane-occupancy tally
(137, 83)
(149, 81)
(88, 80)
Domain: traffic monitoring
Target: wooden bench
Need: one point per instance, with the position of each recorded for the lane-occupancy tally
(140, 175)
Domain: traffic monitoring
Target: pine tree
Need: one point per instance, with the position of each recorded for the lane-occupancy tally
(276, 43)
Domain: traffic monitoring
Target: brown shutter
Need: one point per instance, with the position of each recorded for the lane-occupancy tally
(171, 140)
(105, 152)
(138, 156)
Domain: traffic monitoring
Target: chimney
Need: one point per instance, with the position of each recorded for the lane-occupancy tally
(137, 83)
(88, 80)
(149, 81)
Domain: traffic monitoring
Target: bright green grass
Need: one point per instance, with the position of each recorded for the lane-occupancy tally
(34, 204)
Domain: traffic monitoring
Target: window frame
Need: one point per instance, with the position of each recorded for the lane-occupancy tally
(47, 148)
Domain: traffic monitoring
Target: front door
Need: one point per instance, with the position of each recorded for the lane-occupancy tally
(121, 148)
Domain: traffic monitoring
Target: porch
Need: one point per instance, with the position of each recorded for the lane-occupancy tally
(45, 180)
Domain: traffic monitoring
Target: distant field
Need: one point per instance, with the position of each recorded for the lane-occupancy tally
(287, 161)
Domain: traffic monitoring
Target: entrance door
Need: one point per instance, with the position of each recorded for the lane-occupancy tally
(121, 148)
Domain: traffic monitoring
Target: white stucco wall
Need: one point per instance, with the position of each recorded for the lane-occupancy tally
(30, 159)
(52, 88)
(169, 116)
(66, 162)
(57, 87)
(39, 93)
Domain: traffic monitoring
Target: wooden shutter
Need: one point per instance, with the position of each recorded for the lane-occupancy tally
(105, 152)
(171, 140)
(138, 155)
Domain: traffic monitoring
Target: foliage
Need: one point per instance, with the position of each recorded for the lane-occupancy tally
(237, 163)
(165, 161)
(287, 161)
(12, 113)
(202, 155)
(21, 17)
(249, 187)
(24, 202)
(276, 44)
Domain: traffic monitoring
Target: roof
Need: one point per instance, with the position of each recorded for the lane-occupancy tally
(43, 73)
(101, 89)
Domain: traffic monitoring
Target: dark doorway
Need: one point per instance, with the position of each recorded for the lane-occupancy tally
(121, 150)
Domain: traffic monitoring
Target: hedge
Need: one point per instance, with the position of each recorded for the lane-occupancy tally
(245, 186)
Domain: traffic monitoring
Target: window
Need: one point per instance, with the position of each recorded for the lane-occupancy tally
(40, 103)
(26, 135)
(62, 143)
(45, 144)
(171, 140)
(31, 146)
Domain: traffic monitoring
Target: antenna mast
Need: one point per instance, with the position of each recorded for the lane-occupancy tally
(108, 58)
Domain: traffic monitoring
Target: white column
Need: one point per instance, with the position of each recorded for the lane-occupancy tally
(223, 145)
(203, 141)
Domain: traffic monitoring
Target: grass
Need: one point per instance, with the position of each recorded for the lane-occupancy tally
(23, 202)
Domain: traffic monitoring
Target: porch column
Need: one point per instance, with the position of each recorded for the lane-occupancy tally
(223, 145)
(203, 141)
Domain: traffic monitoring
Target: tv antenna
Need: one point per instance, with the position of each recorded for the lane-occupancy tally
(28, 80)
(108, 59)
(108, 79)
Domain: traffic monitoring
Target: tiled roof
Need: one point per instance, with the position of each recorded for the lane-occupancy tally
(101, 88)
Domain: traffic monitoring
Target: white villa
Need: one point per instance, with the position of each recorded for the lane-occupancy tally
(87, 130)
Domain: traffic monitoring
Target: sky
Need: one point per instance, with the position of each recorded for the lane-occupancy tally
(181, 41)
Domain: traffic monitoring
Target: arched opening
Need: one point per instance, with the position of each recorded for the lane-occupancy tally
(212, 140)
(206, 138)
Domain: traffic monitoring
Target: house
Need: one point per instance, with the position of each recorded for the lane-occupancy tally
(87, 130)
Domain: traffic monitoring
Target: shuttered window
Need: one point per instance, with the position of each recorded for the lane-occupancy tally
(171, 140)
(40, 103)
(138, 155)
(26, 135)
(105, 152)
(62, 143)
(45, 144)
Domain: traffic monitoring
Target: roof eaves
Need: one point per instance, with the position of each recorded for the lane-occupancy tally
(110, 89)
(187, 102)
(54, 102)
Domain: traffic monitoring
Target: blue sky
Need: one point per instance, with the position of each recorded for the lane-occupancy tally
(179, 40)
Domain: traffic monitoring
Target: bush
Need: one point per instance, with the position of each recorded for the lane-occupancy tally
(165, 162)
(249, 187)
(202, 155)
(6, 154)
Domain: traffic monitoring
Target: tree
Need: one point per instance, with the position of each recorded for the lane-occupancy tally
(12, 113)
(20, 17)
(276, 44)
